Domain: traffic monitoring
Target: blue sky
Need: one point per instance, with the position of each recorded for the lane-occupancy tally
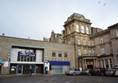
(37, 18)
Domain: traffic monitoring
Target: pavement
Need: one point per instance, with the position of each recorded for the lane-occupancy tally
(56, 79)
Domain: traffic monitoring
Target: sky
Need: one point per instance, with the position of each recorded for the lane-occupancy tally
(36, 19)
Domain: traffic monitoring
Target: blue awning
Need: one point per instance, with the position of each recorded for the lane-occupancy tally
(1, 61)
(60, 63)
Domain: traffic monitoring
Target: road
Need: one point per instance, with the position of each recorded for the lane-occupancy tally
(57, 79)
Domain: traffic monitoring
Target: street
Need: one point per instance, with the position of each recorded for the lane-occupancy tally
(57, 79)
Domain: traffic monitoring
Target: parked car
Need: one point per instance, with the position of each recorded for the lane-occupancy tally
(116, 72)
(87, 72)
(99, 71)
(112, 72)
(73, 72)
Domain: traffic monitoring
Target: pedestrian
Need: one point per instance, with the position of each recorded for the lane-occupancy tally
(30, 71)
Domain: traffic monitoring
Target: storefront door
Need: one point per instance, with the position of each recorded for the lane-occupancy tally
(26, 69)
(19, 69)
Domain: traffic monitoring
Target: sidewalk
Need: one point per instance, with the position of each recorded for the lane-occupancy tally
(3, 76)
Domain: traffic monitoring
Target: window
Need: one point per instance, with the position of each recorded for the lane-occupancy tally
(93, 51)
(89, 50)
(117, 32)
(78, 41)
(60, 54)
(53, 54)
(87, 30)
(65, 54)
(92, 43)
(84, 42)
(82, 29)
(79, 51)
(102, 50)
(77, 28)
(69, 29)
(84, 51)
(89, 43)
(101, 40)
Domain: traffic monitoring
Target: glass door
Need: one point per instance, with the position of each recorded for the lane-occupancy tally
(19, 69)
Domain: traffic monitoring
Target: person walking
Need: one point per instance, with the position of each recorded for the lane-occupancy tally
(30, 71)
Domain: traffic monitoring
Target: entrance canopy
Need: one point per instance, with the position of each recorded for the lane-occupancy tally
(59, 63)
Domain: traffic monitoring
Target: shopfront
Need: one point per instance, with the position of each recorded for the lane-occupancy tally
(25, 68)
(59, 67)
(23, 59)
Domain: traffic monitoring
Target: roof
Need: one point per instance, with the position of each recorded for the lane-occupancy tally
(114, 25)
(76, 15)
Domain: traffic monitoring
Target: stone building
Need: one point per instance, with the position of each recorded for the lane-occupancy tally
(19, 55)
(93, 47)
(79, 45)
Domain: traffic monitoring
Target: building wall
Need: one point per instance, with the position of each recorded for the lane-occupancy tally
(114, 42)
(6, 44)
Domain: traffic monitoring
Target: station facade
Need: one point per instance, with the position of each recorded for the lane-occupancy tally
(19, 55)
(80, 45)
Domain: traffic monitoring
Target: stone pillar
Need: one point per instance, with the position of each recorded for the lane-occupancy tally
(94, 63)
(109, 63)
(104, 63)
(101, 63)
(85, 64)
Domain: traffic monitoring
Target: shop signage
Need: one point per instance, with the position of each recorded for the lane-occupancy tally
(26, 53)
(6, 64)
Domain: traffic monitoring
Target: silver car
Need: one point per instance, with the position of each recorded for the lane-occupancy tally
(73, 72)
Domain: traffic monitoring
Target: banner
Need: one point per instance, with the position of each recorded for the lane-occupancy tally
(6, 64)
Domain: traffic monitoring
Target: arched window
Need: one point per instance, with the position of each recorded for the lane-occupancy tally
(77, 28)
(87, 30)
(69, 29)
(82, 29)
